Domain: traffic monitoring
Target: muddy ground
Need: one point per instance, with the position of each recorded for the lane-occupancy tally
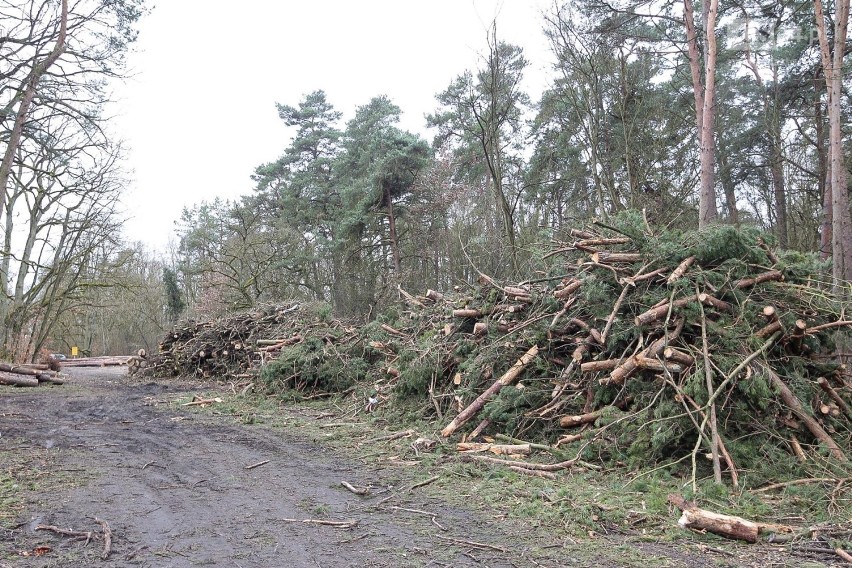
(174, 487)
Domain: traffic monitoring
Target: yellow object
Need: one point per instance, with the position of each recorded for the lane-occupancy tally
(74, 351)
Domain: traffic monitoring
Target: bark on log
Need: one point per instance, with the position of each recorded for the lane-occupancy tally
(596, 366)
(678, 356)
(580, 419)
(681, 269)
(810, 422)
(467, 313)
(727, 526)
(498, 449)
(770, 276)
(769, 329)
(569, 289)
(658, 312)
(605, 257)
(835, 396)
(508, 378)
(17, 380)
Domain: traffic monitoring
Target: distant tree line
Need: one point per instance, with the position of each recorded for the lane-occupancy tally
(693, 112)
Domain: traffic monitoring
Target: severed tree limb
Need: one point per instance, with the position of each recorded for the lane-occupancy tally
(724, 525)
(708, 377)
(336, 524)
(681, 269)
(829, 390)
(533, 472)
(107, 538)
(810, 422)
(508, 378)
(769, 276)
(355, 490)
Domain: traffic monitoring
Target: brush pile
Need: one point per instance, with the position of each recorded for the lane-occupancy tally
(630, 348)
(641, 349)
(241, 345)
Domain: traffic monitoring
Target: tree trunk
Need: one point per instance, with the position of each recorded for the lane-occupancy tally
(832, 63)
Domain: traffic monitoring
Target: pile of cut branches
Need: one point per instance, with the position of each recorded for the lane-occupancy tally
(703, 352)
(242, 345)
(641, 349)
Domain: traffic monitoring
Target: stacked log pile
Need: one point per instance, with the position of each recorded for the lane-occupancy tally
(235, 347)
(28, 375)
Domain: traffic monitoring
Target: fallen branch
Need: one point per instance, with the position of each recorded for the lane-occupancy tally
(336, 524)
(107, 533)
(727, 526)
(812, 425)
(258, 464)
(508, 378)
(355, 490)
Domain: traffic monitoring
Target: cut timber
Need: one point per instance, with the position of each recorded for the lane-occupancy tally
(498, 449)
(681, 269)
(829, 390)
(596, 366)
(678, 356)
(16, 380)
(770, 276)
(434, 296)
(652, 364)
(798, 335)
(480, 328)
(508, 378)
(604, 257)
(727, 526)
(571, 287)
(769, 329)
(467, 313)
(658, 312)
(709, 300)
(810, 422)
(589, 417)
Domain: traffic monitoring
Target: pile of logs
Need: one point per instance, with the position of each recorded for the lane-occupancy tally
(28, 375)
(100, 361)
(233, 347)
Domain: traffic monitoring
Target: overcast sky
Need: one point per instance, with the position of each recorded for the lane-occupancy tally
(198, 114)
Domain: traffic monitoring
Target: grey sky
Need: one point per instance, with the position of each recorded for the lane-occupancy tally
(199, 113)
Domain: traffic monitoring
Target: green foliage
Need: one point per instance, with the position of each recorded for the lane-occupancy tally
(311, 366)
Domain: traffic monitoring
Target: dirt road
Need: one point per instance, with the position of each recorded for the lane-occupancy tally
(174, 488)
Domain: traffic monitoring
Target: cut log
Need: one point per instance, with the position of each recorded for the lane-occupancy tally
(508, 378)
(467, 313)
(605, 257)
(659, 312)
(681, 269)
(652, 364)
(678, 356)
(769, 329)
(480, 328)
(727, 526)
(499, 449)
(769, 276)
(597, 366)
(14, 379)
(810, 422)
(835, 396)
(709, 300)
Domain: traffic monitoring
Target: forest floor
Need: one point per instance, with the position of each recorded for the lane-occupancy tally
(174, 485)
